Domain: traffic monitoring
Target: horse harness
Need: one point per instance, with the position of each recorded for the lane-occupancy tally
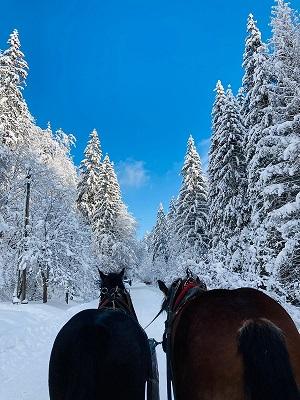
(114, 299)
(179, 298)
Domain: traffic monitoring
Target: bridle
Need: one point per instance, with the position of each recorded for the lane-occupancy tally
(117, 299)
(181, 292)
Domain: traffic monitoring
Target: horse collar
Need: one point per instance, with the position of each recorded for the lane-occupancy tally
(188, 285)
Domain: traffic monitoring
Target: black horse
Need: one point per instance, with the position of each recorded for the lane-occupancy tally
(101, 354)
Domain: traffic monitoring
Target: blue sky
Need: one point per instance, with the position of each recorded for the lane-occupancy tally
(142, 72)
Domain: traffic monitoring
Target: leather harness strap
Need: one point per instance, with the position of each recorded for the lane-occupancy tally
(168, 339)
(177, 303)
(184, 292)
(114, 297)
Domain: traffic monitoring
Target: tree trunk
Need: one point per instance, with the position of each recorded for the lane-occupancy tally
(45, 289)
(22, 275)
(45, 279)
(23, 298)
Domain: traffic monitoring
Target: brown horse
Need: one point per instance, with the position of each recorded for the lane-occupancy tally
(229, 344)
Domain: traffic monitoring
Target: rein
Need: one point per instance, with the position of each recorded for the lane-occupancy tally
(156, 316)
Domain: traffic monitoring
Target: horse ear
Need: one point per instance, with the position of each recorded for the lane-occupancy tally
(121, 274)
(162, 286)
(102, 275)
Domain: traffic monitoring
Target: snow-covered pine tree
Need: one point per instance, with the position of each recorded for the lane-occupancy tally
(16, 125)
(281, 176)
(15, 120)
(126, 248)
(112, 225)
(214, 212)
(108, 200)
(228, 164)
(259, 117)
(16, 129)
(160, 248)
(144, 271)
(191, 208)
(240, 97)
(256, 100)
(252, 44)
(170, 218)
(90, 170)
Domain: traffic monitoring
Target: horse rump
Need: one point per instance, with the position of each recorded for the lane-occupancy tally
(99, 355)
(73, 365)
(268, 373)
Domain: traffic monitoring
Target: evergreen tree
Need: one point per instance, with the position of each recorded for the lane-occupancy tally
(280, 177)
(191, 210)
(15, 120)
(112, 225)
(145, 270)
(170, 219)
(90, 170)
(228, 181)
(160, 248)
(214, 212)
(252, 44)
(259, 118)
(156, 253)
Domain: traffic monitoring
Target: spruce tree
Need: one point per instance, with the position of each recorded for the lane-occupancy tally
(228, 210)
(170, 219)
(191, 210)
(214, 213)
(259, 118)
(15, 120)
(112, 225)
(90, 170)
(160, 246)
(252, 44)
(108, 198)
(281, 176)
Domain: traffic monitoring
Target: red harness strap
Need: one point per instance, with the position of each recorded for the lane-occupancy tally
(184, 291)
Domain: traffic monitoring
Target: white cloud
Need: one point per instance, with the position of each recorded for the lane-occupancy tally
(132, 173)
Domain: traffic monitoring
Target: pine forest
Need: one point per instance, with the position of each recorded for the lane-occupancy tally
(235, 223)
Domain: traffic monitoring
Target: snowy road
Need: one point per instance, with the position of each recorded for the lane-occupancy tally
(27, 333)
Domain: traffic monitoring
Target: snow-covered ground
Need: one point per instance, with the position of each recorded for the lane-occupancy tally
(27, 333)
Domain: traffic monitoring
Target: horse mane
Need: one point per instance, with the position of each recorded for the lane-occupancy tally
(164, 303)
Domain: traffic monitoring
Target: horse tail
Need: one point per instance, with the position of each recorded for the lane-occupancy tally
(268, 373)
